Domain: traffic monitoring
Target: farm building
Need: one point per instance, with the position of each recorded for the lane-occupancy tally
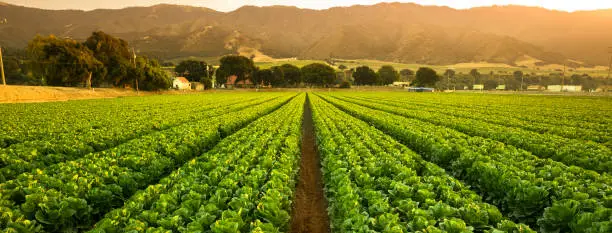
(401, 84)
(536, 88)
(420, 89)
(231, 82)
(181, 83)
(564, 88)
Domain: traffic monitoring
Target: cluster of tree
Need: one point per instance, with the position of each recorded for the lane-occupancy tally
(516, 80)
(287, 75)
(102, 60)
(386, 75)
(195, 71)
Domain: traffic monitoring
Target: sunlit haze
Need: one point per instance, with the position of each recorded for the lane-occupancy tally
(229, 5)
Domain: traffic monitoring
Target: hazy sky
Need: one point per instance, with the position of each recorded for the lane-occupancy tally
(229, 5)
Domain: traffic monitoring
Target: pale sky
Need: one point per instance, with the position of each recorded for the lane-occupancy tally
(229, 5)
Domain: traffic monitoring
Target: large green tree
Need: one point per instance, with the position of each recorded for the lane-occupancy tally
(292, 74)
(364, 75)
(194, 71)
(388, 75)
(278, 77)
(241, 66)
(150, 75)
(318, 74)
(62, 62)
(114, 54)
(425, 77)
(262, 76)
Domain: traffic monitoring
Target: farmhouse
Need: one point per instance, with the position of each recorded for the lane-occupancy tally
(231, 82)
(401, 84)
(181, 83)
(536, 88)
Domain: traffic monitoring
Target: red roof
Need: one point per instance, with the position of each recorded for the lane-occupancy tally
(231, 80)
(182, 79)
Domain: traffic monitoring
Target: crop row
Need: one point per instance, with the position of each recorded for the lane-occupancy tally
(581, 153)
(543, 125)
(245, 183)
(375, 184)
(569, 109)
(540, 192)
(28, 122)
(71, 196)
(25, 157)
(562, 112)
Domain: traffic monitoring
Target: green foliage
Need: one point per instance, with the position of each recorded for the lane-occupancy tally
(241, 66)
(115, 56)
(194, 71)
(318, 74)
(292, 74)
(345, 84)
(363, 75)
(150, 75)
(536, 187)
(278, 77)
(425, 77)
(62, 62)
(75, 192)
(388, 75)
(263, 76)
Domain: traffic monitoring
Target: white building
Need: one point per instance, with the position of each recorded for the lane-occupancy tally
(181, 83)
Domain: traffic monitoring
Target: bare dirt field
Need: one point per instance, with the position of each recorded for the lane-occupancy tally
(20, 94)
(32, 94)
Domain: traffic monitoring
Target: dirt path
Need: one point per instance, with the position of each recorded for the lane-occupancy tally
(310, 208)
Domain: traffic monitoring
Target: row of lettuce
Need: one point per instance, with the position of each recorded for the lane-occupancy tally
(580, 111)
(59, 132)
(244, 184)
(547, 195)
(586, 154)
(375, 184)
(538, 120)
(71, 196)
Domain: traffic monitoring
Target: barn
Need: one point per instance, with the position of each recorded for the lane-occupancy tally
(181, 83)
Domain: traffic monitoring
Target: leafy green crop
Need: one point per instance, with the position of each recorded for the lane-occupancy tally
(375, 184)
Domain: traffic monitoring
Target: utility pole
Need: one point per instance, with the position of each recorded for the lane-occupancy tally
(609, 66)
(448, 80)
(2, 21)
(563, 78)
(2, 68)
(134, 53)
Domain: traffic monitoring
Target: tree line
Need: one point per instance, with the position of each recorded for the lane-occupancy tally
(102, 60)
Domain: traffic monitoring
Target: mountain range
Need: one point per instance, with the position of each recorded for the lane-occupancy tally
(398, 32)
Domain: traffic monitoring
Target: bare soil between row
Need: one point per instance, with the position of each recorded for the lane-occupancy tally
(310, 206)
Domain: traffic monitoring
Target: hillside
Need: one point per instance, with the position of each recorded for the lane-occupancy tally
(395, 32)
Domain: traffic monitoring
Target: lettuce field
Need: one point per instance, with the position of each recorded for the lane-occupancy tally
(308, 162)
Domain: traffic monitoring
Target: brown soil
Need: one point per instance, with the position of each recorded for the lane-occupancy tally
(310, 208)
(27, 94)
(19, 94)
